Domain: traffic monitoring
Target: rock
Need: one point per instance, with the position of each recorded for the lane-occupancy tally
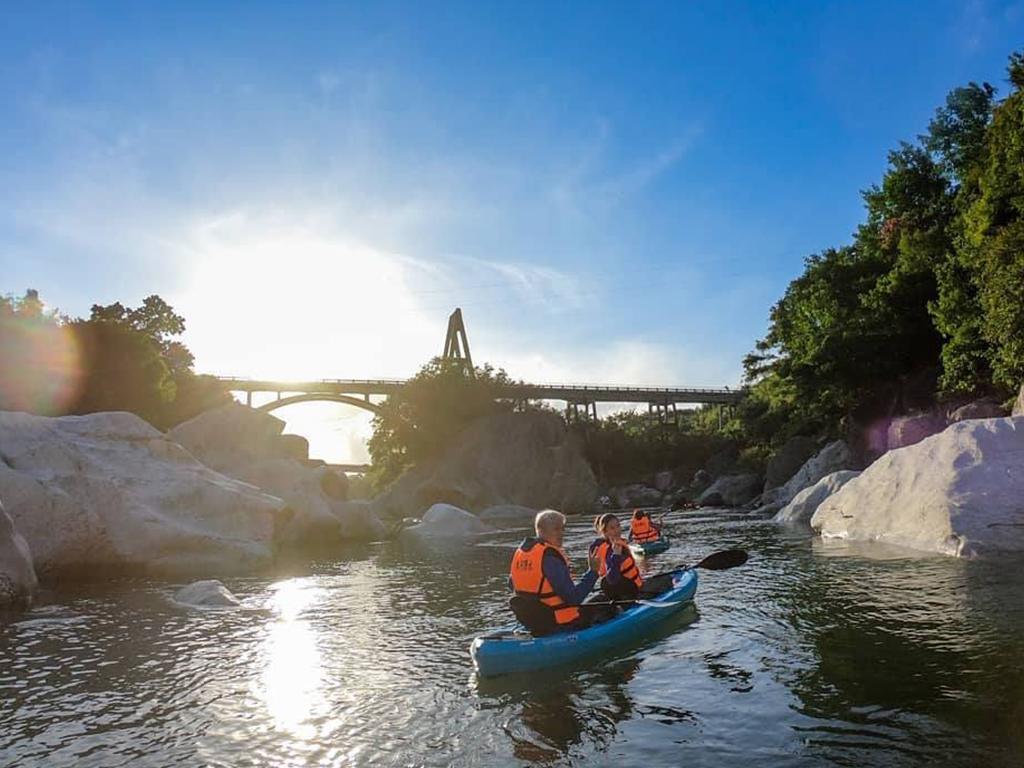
(805, 503)
(663, 481)
(334, 485)
(247, 444)
(293, 446)
(509, 514)
(109, 490)
(722, 462)
(528, 459)
(731, 491)
(1018, 405)
(833, 457)
(908, 430)
(206, 594)
(231, 436)
(701, 479)
(787, 460)
(960, 492)
(979, 409)
(358, 521)
(314, 520)
(636, 495)
(17, 574)
(446, 521)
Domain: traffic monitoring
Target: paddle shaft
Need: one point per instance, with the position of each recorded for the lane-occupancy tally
(716, 561)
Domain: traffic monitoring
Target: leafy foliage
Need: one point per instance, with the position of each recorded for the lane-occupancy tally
(927, 299)
(418, 423)
(122, 359)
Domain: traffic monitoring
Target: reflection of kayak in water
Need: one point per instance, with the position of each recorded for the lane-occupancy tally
(651, 547)
(515, 650)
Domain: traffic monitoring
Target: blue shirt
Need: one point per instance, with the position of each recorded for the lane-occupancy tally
(557, 573)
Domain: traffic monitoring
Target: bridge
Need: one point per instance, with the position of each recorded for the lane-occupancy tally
(580, 399)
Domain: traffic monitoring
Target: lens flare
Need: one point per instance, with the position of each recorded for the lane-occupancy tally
(40, 366)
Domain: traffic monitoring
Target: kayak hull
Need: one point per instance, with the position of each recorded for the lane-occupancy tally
(505, 654)
(654, 548)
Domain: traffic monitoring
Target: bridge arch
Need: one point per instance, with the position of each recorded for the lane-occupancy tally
(311, 397)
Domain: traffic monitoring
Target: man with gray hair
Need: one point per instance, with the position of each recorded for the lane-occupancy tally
(546, 600)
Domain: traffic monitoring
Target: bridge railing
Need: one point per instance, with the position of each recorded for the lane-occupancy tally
(285, 386)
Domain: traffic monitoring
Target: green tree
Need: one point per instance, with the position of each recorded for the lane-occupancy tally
(124, 371)
(419, 422)
(994, 242)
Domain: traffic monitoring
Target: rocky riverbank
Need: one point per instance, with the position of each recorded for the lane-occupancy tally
(227, 492)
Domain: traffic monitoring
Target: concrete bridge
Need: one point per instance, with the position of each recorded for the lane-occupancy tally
(581, 399)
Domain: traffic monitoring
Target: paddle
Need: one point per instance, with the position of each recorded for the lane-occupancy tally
(716, 561)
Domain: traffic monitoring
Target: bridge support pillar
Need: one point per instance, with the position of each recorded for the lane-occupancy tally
(576, 411)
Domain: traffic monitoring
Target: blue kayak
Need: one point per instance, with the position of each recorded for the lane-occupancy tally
(650, 548)
(515, 650)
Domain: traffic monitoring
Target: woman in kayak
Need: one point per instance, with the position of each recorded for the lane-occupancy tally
(546, 600)
(642, 529)
(620, 576)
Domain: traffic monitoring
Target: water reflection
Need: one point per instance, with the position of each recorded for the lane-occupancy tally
(291, 683)
(810, 655)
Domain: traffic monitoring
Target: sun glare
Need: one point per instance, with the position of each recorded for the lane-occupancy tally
(292, 302)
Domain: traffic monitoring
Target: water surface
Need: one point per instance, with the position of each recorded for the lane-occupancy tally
(810, 655)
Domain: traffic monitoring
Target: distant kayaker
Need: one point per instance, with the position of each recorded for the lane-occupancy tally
(621, 577)
(546, 600)
(642, 529)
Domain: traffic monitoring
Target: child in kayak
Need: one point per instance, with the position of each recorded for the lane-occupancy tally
(620, 576)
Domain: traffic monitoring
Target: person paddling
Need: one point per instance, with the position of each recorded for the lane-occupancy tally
(621, 577)
(546, 600)
(642, 529)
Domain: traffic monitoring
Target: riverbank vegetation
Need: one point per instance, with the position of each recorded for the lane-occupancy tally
(924, 305)
(118, 359)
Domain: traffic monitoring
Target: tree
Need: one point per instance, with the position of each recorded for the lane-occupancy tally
(993, 246)
(420, 421)
(124, 371)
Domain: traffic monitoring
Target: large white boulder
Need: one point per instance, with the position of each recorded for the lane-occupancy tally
(446, 521)
(109, 490)
(17, 574)
(249, 445)
(208, 593)
(960, 492)
(507, 458)
(1018, 404)
(833, 457)
(805, 503)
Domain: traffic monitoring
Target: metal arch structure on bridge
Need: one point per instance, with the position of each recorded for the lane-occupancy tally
(318, 397)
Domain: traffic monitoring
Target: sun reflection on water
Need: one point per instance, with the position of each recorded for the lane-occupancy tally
(291, 685)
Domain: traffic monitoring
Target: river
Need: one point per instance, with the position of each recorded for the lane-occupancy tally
(812, 654)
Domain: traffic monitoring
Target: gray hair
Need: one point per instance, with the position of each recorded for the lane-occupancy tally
(546, 518)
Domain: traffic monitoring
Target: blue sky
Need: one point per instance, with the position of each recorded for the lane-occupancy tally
(611, 191)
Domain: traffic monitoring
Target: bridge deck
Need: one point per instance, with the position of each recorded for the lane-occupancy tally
(582, 393)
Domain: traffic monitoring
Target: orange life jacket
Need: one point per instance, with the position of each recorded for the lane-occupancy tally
(642, 531)
(627, 567)
(527, 575)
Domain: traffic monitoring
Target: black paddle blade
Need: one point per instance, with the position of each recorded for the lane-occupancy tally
(720, 561)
